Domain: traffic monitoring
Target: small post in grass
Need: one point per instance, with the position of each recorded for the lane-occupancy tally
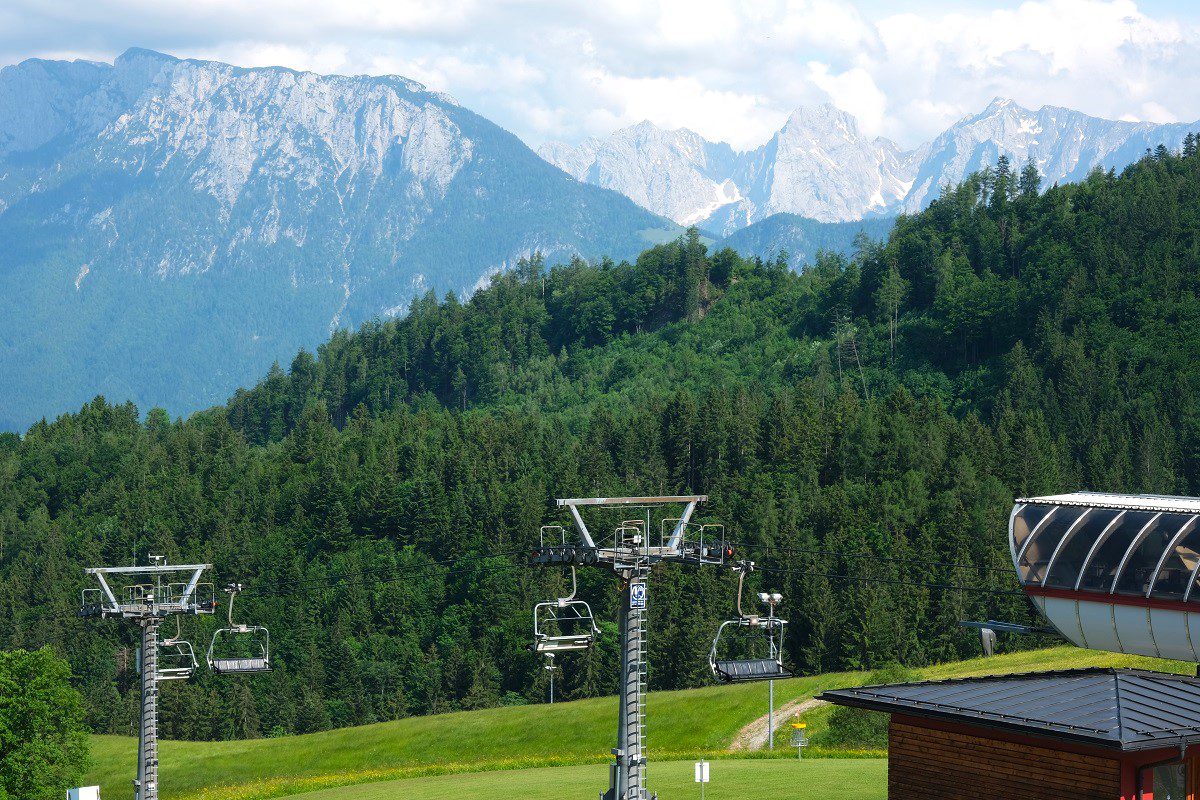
(701, 776)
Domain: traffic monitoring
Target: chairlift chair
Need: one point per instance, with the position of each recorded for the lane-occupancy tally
(239, 649)
(176, 657)
(740, 670)
(563, 624)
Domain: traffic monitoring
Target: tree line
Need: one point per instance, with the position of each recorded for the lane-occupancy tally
(861, 427)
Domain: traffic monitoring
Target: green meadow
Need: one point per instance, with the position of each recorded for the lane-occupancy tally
(537, 750)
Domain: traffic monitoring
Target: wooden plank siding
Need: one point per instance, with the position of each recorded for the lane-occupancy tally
(938, 764)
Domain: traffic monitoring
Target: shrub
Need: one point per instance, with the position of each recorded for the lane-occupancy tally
(43, 744)
(859, 727)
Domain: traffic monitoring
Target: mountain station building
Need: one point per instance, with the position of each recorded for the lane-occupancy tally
(1099, 734)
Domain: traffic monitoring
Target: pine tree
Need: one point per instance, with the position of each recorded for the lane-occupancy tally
(889, 298)
(1030, 181)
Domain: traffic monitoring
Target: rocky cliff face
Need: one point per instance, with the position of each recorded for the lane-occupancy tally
(1064, 144)
(256, 209)
(674, 173)
(821, 166)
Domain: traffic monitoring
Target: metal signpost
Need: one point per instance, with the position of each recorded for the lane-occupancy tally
(631, 556)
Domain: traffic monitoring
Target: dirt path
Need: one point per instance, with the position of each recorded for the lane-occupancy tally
(754, 735)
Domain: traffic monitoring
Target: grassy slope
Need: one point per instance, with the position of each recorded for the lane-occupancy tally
(861, 779)
(682, 724)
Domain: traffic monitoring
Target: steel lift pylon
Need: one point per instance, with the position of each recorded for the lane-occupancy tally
(147, 596)
(632, 557)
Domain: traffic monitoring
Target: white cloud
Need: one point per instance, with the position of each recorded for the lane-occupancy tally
(684, 102)
(855, 92)
(727, 69)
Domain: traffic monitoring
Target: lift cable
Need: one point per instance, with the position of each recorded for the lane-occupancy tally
(868, 555)
(890, 582)
(392, 574)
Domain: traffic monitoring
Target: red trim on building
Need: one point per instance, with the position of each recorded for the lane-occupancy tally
(1129, 781)
(1113, 599)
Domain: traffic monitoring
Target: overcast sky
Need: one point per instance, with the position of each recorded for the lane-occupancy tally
(560, 69)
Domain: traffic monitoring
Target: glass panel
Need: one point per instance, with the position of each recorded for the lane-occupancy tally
(1177, 569)
(1167, 782)
(1037, 555)
(1065, 570)
(1135, 579)
(1102, 568)
(1025, 521)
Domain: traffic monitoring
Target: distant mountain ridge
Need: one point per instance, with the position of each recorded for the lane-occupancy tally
(168, 228)
(821, 166)
(802, 238)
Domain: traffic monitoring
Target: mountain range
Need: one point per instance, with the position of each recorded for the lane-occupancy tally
(169, 227)
(820, 164)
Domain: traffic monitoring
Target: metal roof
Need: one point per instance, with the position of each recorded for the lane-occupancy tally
(1143, 502)
(1112, 708)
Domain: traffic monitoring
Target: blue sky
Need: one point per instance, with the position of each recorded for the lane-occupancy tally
(732, 71)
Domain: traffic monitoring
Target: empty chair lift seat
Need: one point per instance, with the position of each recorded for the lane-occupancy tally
(240, 648)
(239, 665)
(560, 644)
(754, 669)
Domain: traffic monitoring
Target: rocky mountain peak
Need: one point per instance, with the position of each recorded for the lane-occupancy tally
(134, 57)
(822, 117)
(820, 164)
(675, 173)
(236, 214)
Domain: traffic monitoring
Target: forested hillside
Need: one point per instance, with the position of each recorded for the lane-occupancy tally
(862, 428)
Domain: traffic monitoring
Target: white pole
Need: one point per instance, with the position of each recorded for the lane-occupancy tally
(771, 686)
(771, 715)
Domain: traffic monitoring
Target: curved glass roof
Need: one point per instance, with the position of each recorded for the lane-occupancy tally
(1142, 545)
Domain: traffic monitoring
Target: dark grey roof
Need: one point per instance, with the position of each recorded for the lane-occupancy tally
(1114, 708)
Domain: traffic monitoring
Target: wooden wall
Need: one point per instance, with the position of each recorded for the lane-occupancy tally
(938, 764)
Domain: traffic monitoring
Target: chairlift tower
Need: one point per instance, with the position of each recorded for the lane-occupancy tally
(631, 555)
(147, 596)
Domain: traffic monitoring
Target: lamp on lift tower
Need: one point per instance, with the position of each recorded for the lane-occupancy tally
(772, 599)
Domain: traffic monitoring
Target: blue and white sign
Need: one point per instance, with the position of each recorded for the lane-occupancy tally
(637, 595)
